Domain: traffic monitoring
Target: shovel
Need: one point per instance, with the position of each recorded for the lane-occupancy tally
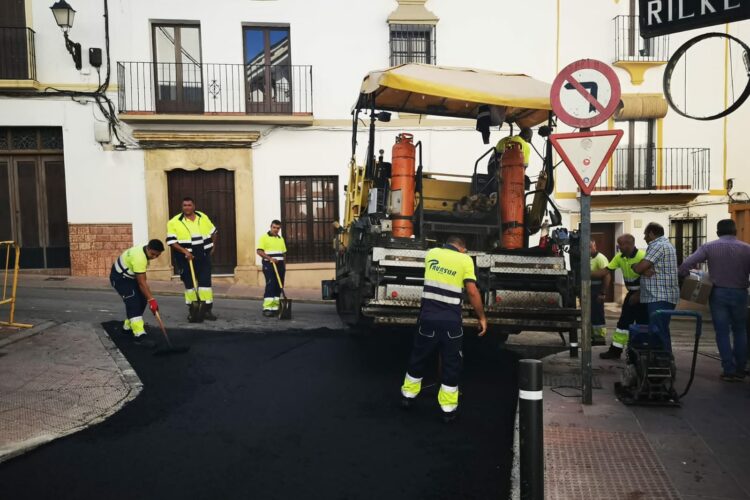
(197, 307)
(285, 307)
(169, 349)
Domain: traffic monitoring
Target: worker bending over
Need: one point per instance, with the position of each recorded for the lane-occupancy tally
(447, 271)
(272, 249)
(192, 237)
(633, 311)
(128, 278)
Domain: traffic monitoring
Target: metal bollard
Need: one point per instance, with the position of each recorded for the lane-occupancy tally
(531, 431)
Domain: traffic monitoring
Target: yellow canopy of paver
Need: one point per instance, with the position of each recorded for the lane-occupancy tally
(456, 92)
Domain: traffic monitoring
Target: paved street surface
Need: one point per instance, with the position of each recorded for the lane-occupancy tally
(264, 408)
(307, 414)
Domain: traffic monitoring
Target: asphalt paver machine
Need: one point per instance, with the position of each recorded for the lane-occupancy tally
(397, 208)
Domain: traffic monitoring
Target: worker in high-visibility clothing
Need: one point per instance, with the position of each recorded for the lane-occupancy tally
(633, 311)
(192, 237)
(272, 249)
(448, 270)
(128, 278)
(523, 138)
(598, 295)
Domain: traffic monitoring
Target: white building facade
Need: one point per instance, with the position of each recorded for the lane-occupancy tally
(245, 105)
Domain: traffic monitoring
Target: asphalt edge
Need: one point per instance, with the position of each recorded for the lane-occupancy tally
(179, 294)
(127, 374)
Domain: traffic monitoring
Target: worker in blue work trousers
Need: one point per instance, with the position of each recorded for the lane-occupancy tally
(192, 237)
(448, 270)
(272, 249)
(128, 278)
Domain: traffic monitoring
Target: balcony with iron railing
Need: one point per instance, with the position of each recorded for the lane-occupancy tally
(635, 53)
(17, 57)
(148, 88)
(663, 170)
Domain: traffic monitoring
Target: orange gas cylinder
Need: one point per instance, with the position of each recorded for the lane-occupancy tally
(512, 196)
(402, 186)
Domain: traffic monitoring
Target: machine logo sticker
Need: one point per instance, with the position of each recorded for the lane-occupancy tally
(435, 266)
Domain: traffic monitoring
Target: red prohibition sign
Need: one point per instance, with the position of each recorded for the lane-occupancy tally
(599, 112)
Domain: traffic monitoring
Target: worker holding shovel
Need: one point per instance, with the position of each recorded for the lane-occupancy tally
(272, 249)
(192, 237)
(128, 277)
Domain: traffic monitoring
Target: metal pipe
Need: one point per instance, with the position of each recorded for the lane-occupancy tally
(586, 373)
(531, 428)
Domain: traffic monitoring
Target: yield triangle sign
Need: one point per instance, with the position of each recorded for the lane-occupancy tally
(586, 154)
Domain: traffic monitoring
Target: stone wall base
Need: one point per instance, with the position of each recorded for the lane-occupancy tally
(94, 247)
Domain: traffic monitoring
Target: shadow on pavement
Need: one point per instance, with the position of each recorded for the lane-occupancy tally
(303, 415)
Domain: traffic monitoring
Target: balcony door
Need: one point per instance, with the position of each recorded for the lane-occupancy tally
(14, 40)
(268, 70)
(178, 75)
(635, 160)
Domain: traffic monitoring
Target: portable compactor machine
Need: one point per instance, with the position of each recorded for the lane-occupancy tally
(650, 370)
(396, 210)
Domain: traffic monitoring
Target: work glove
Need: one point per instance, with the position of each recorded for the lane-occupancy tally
(153, 305)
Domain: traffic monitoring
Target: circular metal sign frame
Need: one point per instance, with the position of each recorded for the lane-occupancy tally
(566, 76)
(669, 70)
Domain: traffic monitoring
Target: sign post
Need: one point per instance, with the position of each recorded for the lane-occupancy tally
(585, 94)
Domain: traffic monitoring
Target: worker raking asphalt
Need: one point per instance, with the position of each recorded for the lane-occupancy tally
(284, 415)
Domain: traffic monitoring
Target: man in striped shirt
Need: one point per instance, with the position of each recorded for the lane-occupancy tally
(729, 268)
(128, 278)
(448, 270)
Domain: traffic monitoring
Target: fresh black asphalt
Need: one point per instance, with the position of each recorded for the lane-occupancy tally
(296, 415)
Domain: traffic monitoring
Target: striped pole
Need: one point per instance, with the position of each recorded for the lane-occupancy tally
(531, 432)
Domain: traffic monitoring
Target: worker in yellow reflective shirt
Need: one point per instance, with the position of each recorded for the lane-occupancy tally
(192, 237)
(128, 278)
(272, 249)
(447, 271)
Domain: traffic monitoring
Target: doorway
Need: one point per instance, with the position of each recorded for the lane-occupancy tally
(268, 70)
(213, 192)
(33, 209)
(604, 236)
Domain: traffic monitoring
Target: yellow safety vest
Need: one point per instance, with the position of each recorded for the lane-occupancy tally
(189, 233)
(446, 270)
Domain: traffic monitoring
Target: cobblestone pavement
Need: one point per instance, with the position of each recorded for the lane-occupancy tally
(56, 380)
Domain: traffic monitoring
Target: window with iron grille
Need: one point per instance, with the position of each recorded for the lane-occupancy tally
(687, 234)
(412, 43)
(309, 206)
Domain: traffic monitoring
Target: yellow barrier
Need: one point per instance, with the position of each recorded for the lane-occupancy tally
(12, 299)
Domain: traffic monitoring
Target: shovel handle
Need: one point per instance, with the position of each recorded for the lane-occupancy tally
(195, 282)
(161, 326)
(278, 278)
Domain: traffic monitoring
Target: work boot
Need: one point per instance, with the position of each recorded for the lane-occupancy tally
(406, 402)
(143, 340)
(612, 353)
(598, 341)
(267, 313)
(190, 314)
(209, 315)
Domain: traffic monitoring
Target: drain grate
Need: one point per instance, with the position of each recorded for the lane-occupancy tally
(55, 278)
(552, 380)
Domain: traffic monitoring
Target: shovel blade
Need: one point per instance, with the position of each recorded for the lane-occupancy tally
(197, 312)
(285, 309)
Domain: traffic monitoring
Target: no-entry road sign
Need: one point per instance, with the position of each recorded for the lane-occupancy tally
(585, 93)
(586, 154)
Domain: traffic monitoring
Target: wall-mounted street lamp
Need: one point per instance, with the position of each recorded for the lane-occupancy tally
(64, 15)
